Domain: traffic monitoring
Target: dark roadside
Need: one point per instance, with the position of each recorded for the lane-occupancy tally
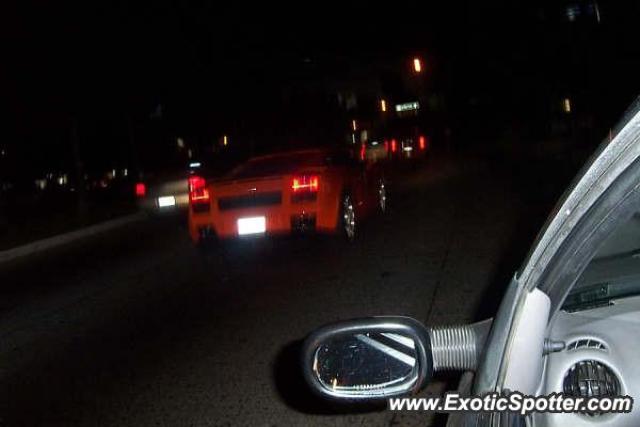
(34, 216)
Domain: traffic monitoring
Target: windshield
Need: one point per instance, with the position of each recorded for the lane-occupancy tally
(279, 164)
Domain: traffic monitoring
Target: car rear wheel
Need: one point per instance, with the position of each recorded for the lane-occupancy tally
(348, 217)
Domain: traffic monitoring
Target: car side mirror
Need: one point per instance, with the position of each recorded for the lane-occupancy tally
(368, 359)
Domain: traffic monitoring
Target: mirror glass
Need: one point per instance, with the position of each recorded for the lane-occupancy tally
(377, 363)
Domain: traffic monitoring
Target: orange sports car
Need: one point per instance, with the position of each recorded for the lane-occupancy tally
(308, 190)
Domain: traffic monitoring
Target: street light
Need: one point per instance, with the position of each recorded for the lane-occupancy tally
(225, 140)
(354, 125)
(417, 65)
(383, 105)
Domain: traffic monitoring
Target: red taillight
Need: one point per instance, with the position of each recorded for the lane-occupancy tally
(423, 142)
(394, 146)
(198, 192)
(195, 183)
(305, 183)
(363, 152)
(141, 189)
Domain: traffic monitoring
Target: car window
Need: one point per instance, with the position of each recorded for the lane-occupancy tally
(614, 272)
(278, 164)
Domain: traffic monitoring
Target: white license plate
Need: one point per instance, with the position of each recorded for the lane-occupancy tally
(166, 201)
(253, 225)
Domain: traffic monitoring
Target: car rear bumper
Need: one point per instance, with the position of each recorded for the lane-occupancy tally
(290, 219)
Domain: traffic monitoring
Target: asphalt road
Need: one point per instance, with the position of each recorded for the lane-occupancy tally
(139, 328)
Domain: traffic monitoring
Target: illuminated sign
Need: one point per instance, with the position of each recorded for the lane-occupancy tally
(409, 106)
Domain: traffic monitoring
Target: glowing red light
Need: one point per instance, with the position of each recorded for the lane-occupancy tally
(386, 146)
(362, 152)
(141, 189)
(195, 183)
(198, 192)
(305, 183)
(394, 146)
(423, 142)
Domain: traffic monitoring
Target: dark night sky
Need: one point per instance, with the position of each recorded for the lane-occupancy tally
(210, 65)
(188, 50)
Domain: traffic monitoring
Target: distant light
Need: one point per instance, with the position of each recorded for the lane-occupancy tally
(566, 105)
(423, 142)
(374, 143)
(408, 106)
(417, 65)
(225, 140)
(113, 173)
(353, 138)
(383, 105)
(195, 165)
(189, 153)
(166, 201)
(408, 148)
(41, 184)
(3, 152)
(394, 145)
(141, 189)
(125, 172)
(573, 12)
(180, 142)
(354, 125)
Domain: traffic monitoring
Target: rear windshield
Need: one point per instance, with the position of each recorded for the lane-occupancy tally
(280, 164)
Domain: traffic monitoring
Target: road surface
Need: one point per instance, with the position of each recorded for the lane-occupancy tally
(138, 328)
